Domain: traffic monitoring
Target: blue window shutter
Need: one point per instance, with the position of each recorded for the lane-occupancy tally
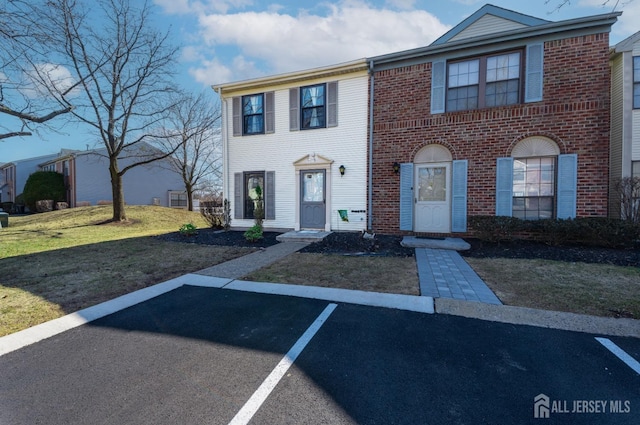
(236, 106)
(459, 196)
(238, 204)
(567, 185)
(332, 104)
(438, 83)
(269, 106)
(504, 187)
(294, 109)
(534, 73)
(270, 195)
(406, 196)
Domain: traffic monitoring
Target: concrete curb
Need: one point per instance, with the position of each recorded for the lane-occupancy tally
(540, 318)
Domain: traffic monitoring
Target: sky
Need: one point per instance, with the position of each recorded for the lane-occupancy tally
(232, 40)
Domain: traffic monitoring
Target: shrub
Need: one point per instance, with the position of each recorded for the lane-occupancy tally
(217, 217)
(254, 233)
(44, 185)
(188, 229)
(586, 231)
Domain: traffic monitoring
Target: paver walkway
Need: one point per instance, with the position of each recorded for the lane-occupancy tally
(443, 273)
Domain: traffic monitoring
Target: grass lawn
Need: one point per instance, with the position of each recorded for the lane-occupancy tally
(56, 263)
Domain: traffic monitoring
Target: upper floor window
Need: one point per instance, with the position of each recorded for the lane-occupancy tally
(636, 82)
(487, 81)
(312, 106)
(253, 114)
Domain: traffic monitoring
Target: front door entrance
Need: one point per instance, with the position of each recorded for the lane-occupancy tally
(312, 199)
(432, 202)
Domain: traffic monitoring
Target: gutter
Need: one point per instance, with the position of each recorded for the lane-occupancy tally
(370, 179)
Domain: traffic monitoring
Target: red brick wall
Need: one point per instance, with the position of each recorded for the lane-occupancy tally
(574, 113)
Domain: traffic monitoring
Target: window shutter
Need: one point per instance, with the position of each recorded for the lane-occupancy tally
(459, 196)
(332, 104)
(294, 105)
(438, 82)
(535, 67)
(504, 187)
(237, 196)
(237, 116)
(270, 195)
(269, 118)
(406, 196)
(567, 185)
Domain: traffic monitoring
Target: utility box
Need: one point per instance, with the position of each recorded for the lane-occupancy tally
(4, 219)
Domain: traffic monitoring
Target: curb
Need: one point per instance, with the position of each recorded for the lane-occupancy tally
(539, 318)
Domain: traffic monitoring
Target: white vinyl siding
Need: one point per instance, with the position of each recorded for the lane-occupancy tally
(345, 144)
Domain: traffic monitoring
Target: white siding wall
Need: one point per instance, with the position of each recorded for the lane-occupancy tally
(345, 144)
(141, 184)
(25, 168)
(635, 116)
(488, 24)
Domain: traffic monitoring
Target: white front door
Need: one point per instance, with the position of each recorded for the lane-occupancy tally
(432, 202)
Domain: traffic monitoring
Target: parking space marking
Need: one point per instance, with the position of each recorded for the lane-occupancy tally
(620, 353)
(260, 395)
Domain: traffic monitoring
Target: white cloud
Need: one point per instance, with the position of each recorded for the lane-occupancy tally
(350, 30)
(46, 76)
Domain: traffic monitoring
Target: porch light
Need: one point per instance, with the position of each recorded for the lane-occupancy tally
(342, 169)
(396, 167)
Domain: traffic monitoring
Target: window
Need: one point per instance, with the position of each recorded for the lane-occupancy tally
(253, 193)
(484, 82)
(533, 188)
(312, 106)
(252, 114)
(178, 200)
(636, 82)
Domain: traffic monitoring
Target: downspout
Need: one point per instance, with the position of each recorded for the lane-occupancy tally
(370, 179)
(225, 140)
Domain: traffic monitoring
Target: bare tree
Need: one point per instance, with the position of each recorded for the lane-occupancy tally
(194, 137)
(23, 41)
(559, 4)
(122, 79)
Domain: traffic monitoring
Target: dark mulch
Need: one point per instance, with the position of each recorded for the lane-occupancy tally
(222, 238)
(352, 243)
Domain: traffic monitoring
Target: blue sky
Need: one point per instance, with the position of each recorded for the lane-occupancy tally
(232, 40)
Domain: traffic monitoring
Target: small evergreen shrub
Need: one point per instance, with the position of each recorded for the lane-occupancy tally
(254, 233)
(44, 185)
(188, 229)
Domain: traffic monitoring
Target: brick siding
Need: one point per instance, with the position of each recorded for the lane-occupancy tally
(574, 113)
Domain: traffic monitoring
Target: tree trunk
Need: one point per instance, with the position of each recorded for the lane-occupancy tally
(189, 197)
(117, 191)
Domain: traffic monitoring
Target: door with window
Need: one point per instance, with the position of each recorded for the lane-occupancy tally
(432, 198)
(312, 199)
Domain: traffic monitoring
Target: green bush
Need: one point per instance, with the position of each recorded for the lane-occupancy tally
(188, 230)
(44, 185)
(585, 231)
(254, 233)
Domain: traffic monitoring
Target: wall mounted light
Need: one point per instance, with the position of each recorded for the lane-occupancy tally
(342, 169)
(396, 167)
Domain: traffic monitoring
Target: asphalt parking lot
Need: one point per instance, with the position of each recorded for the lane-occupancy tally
(199, 355)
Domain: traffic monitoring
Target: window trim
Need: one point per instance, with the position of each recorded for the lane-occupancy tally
(553, 196)
(636, 82)
(243, 115)
(482, 79)
(323, 106)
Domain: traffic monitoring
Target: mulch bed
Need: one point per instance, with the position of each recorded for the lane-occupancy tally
(352, 243)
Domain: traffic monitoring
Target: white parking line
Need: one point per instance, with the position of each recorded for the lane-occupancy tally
(620, 353)
(260, 395)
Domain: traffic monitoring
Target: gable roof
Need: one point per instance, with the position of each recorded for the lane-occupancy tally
(489, 16)
(490, 38)
(627, 44)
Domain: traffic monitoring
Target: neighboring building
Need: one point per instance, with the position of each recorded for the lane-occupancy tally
(89, 183)
(291, 135)
(625, 113)
(14, 175)
(505, 114)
